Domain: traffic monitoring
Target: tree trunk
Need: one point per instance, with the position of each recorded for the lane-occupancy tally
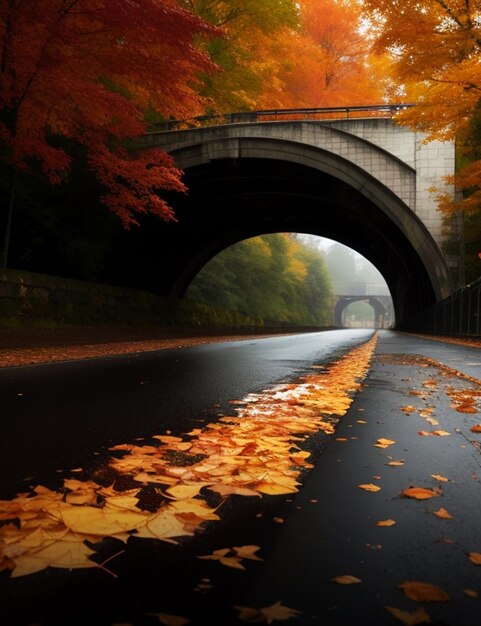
(8, 224)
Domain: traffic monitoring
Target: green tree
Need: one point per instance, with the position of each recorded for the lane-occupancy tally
(272, 278)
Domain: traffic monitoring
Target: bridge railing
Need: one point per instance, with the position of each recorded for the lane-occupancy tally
(459, 314)
(283, 115)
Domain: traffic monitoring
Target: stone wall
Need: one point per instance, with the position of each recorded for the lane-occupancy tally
(30, 299)
(35, 300)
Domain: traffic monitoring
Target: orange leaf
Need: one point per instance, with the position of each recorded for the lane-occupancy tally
(476, 428)
(471, 593)
(384, 443)
(386, 522)
(369, 487)
(443, 514)
(440, 433)
(420, 493)
(424, 592)
(170, 620)
(443, 479)
(396, 463)
(475, 557)
(346, 579)
(408, 409)
(419, 616)
(466, 408)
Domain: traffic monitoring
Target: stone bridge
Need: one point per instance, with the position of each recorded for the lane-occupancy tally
(362, 180)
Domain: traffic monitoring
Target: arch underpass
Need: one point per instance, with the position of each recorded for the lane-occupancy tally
(381, 306)
(244, 182)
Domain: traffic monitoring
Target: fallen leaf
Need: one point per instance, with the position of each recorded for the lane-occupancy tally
(432, 421)
(278, 612)
(424, 433)
(267, 614)
(408, 408)
(386, 522)
(442, 479)
(440, 433)
(341, 439)
(170, 620)
(419, 616)
(222, 556)
(443, 514)
(424, 592)
(361, 421)
(346, 579)
(247, 552)
(370, 487)
(471, 593)
(475, 557)
(476, 428)
(396, 463)
(384, 443)
(466, 408)
(420, 493)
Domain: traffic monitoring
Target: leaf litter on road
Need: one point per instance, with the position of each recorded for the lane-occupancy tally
(254, 453)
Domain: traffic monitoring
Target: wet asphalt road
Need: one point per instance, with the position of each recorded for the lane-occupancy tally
(58, 416)
(55, 416)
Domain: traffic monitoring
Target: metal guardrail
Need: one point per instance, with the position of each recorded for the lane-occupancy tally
(284, 115)
(459, 314)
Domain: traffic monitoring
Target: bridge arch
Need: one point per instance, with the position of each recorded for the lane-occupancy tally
(376, 302)
(245, 180)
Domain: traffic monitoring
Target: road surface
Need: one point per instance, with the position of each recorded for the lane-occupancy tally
(60, 421)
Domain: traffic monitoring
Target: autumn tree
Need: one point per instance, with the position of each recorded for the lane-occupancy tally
(328, 60)
(435, 47)
(86, 71)
(244, 50)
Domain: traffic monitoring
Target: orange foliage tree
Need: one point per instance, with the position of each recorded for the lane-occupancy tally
(87, 70)
(245, 52)
(435, 47)
(328, 60)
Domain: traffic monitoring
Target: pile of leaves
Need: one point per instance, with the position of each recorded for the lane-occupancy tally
(256, 453)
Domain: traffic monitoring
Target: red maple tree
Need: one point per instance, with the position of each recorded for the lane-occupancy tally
(87, 70)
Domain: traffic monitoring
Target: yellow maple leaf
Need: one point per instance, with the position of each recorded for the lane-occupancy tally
(370, 487)
(419, 616)
(228, 490)
(346, 579)
(183, 491)
(424, 592)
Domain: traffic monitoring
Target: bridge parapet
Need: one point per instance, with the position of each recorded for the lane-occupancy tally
(367, 137)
